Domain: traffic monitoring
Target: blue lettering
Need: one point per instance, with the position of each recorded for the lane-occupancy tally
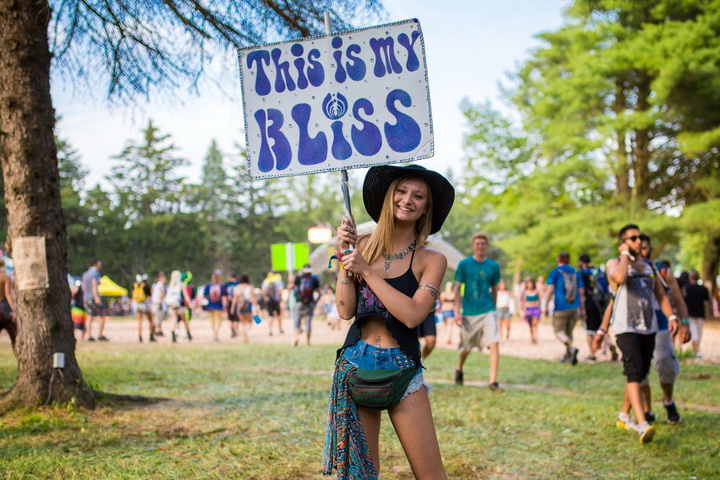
(302, 81)
(387, 47)
(262, 82)
(311, 151)
(413, 63)
(356, 70)
(282, 69)
(405, 135)
(316, 73)
(340, 74)
(341, 148)
(367, 140)
(279, 155)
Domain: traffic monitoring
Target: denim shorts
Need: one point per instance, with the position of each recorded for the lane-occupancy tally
(366, 356)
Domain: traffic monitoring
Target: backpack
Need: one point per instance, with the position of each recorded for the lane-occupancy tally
(243, 302)
(271, 289)
(601, 289)
(570, 280)
(304, 293)
(215, 293)
(138, 293)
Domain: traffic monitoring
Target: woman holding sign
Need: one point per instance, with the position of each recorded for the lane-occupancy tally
(389, 283)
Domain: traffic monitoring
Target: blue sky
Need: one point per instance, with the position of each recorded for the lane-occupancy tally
(470, 45)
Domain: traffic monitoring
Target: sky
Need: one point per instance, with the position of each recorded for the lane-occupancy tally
(496, 37)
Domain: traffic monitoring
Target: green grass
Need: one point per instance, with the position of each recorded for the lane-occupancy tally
(258, 412)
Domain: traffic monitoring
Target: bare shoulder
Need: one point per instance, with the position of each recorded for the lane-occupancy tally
(428, 255)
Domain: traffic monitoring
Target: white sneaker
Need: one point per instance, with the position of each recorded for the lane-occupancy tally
(645, 430)
(625, 421)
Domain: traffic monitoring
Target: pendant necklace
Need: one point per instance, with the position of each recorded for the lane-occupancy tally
(394, 256)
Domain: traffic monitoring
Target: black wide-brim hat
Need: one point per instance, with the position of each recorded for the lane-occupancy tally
(378, 180)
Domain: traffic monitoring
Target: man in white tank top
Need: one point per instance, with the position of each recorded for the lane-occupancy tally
(635, 324)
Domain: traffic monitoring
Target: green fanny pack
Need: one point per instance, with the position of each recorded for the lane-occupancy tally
(379, 389)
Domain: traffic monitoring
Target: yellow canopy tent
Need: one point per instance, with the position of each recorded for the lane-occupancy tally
(108, 288)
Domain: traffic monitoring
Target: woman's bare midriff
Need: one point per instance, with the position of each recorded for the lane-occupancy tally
(372, 329)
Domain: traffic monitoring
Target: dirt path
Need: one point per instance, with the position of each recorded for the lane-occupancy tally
(123, 331)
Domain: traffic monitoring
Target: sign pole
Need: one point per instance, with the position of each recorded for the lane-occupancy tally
(343, 173)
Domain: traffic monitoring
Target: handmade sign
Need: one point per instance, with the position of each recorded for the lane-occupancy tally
(349, 100)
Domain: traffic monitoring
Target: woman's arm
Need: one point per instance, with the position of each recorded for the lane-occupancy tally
(186, 296)
(411, 311)
(345, 286)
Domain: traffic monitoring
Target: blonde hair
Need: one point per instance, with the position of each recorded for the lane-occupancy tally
(381, 240)
(175, 278)
(482, 235)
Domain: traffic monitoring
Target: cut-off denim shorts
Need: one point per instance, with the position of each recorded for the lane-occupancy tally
(366, 356)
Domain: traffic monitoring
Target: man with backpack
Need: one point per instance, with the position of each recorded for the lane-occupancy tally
(566, 286)
(272, 288)
(595, 299)
(306, 284)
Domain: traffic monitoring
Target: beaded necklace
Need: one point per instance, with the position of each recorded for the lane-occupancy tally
(395, 256)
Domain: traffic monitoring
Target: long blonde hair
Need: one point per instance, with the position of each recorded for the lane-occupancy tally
(381, 240)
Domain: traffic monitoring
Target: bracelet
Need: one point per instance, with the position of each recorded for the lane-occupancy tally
(431, 288)
(627, 254)
(673, 318)
(602, 331)
(347, 280)
(685, 321)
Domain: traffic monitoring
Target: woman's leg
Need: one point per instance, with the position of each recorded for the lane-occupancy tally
(370, 420)
(139, 318)
(413, 422)
(245, 324)
(534, 329)
(215, 322)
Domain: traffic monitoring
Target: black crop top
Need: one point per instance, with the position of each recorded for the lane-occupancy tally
(369, 305)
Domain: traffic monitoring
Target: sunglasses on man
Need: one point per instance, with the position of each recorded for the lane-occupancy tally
(633, 238)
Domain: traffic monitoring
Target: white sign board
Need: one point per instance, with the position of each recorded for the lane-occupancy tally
(30, 263)
(350, 100)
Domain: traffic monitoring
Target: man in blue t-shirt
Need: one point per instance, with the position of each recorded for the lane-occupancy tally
(569, 294)
(475, 313)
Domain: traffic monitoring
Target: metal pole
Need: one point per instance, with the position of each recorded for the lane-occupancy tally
(343, 173)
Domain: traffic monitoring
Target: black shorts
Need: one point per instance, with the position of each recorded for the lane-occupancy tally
(427, 327)
(593, 319)
(272, 306)
(637, 351)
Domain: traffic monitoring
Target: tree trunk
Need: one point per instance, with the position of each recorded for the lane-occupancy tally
(621, 166)
(711, 262)
(32, 195)
(643, 154)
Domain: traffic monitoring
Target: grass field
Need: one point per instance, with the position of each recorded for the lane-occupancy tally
(258, 411)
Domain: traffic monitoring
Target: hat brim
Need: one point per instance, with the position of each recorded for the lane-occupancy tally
(379, 178)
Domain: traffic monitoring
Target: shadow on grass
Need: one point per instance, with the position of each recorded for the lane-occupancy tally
(119, 400)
